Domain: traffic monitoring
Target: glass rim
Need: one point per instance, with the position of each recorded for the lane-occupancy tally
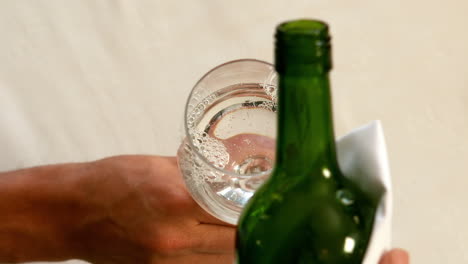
(189, 137)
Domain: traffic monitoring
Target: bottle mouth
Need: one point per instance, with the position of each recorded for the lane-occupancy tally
(303, 42)
(304, 27)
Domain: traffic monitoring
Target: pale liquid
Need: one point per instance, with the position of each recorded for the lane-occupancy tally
(233, 131)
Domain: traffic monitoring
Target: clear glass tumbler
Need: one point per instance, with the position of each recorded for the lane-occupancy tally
(230, 133)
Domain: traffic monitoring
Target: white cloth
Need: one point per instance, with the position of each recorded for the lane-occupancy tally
(362, 155)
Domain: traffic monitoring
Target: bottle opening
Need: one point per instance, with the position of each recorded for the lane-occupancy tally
(303, 43)
(305, 27)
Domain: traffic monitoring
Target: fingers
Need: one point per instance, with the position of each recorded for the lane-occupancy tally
(243, 146)
(172, 160)
(395, 256)
(213, 239)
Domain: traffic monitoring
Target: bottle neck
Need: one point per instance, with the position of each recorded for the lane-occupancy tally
(305, 123)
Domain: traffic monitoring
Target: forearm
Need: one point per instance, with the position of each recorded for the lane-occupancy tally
(40, 212)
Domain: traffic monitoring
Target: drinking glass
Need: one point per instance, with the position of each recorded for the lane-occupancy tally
(228, 146)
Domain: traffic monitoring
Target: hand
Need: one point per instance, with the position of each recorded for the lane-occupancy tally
(395, 256)
(119, 210)
(143, 214)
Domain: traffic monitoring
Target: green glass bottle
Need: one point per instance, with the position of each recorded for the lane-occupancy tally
(307, 212)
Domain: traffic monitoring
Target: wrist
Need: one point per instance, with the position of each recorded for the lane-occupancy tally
(42, 209)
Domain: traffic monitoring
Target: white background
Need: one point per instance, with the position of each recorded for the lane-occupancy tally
(80, 80)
